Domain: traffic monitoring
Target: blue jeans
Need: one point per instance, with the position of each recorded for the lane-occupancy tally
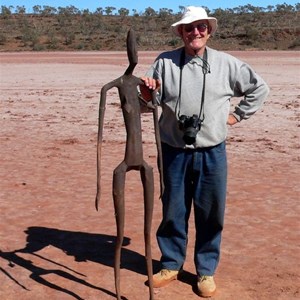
(200, 177)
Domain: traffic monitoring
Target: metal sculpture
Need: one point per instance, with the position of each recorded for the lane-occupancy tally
(133, 160)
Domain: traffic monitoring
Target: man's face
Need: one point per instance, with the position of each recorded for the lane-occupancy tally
(195, 36)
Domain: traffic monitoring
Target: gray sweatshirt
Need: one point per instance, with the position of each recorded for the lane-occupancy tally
(226, 77)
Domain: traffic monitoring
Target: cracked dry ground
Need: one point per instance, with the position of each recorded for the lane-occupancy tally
(53, 242)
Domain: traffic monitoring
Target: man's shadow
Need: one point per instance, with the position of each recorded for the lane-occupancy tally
(98, 248)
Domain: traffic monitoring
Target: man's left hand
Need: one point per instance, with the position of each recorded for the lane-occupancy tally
(231, 120)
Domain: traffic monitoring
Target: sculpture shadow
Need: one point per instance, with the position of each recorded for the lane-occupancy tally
(98, 248)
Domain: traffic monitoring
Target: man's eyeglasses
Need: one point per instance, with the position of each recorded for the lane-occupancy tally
(201, 27)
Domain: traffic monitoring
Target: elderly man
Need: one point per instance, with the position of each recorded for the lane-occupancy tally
(195, 84)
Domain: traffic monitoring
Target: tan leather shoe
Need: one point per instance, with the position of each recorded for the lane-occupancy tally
(206, 286)
(164, 277)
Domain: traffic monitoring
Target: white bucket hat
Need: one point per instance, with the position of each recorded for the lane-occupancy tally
(192, 14)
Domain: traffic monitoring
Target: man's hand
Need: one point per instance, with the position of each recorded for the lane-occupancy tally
(150, 84)
(231, 120)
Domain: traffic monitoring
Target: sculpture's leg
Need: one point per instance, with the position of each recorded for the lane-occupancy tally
(118, 196)
(148, 185)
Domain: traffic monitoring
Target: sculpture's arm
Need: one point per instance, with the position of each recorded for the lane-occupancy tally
(104, 90)
(158, 141)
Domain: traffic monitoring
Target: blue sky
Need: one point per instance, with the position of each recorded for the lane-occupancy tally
(140, 6)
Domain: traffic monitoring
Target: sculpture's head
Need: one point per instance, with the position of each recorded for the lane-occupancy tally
(131, 51)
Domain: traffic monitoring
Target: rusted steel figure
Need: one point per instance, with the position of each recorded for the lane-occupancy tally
(133, 160)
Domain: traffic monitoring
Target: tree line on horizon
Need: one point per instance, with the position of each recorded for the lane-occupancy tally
(47, 10)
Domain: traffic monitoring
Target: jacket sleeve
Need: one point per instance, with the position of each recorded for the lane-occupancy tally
(253, 89)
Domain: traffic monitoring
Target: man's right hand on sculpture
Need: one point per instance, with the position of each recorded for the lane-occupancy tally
(150, 84)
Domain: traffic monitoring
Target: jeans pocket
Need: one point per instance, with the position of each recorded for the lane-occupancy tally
(221, 148)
